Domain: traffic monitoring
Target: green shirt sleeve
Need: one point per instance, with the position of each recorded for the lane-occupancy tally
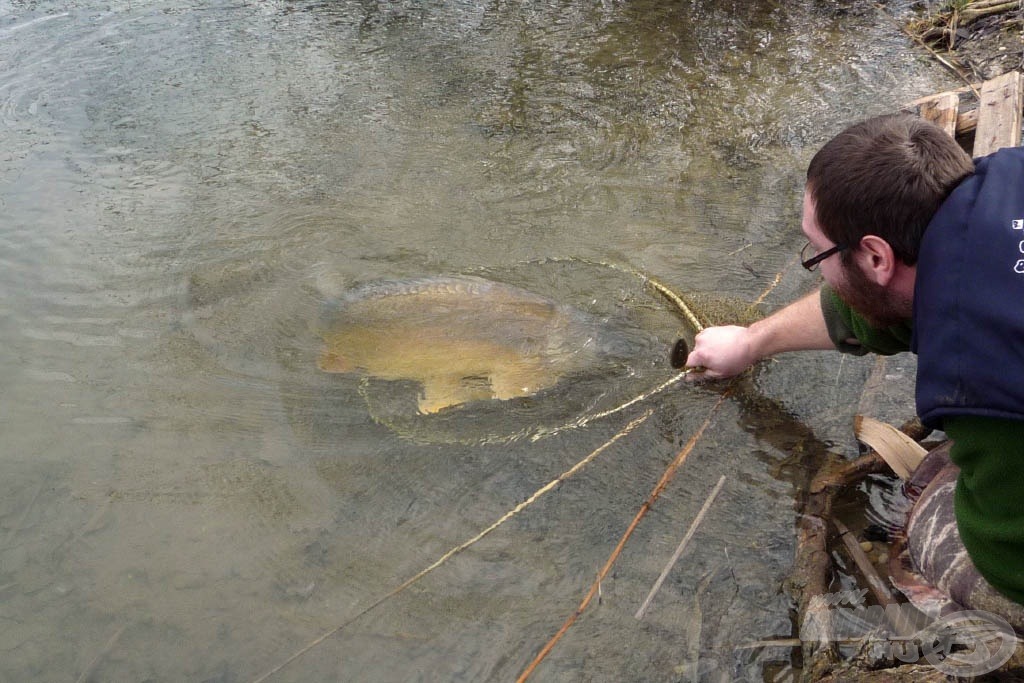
(987, 501)
(852, 334)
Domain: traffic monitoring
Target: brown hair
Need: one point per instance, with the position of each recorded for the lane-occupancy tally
(885, 176)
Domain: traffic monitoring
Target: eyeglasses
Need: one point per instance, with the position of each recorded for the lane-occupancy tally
(810, 260)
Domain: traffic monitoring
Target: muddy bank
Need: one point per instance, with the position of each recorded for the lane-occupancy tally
(981, 38)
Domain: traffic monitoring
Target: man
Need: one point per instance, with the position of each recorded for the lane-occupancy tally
(921, 250)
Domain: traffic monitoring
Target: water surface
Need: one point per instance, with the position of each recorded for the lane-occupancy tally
(182, 185)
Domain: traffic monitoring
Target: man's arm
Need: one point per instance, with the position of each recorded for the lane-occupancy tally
(727, 351)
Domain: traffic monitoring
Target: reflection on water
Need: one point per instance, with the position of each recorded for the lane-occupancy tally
(182, 184)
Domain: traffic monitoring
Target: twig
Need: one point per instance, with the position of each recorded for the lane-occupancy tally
(24, 515)
(655, 493)
(459, 548)
(683, 307)
(101, 655)
(839, 375)
(587, 419)
(682, 546)
(663, 289)
(775, 282)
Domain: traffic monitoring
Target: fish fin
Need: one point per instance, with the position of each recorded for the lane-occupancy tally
(521, 380)
(447, 391)
(332, 361)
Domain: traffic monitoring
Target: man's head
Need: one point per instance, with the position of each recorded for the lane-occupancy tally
(885, 176)
(872, 190)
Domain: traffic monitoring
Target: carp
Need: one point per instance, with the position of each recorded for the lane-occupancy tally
(462, 338)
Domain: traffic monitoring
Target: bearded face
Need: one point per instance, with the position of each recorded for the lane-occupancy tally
(880, 305)
(876, 303)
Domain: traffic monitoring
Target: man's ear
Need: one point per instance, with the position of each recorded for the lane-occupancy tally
(877, 259)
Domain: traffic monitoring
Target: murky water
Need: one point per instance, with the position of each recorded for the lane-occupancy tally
(184, 496)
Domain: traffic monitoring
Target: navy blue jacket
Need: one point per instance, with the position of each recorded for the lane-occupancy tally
(969, 297)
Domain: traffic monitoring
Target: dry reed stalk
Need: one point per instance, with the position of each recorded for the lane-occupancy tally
(463, 546)
(777, 642)
(21, 520)
(101, 655)
(682, 546)
(978, 10)
(647, 504)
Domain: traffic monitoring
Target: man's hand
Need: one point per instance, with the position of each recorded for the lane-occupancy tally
(722, 352)
(728, 351)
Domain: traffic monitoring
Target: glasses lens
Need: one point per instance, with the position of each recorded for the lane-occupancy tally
(809, 259)
(807, 253)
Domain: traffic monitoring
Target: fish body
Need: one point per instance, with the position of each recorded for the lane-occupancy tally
(462, 338)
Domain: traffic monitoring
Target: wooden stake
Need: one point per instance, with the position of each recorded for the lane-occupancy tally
(655, 493)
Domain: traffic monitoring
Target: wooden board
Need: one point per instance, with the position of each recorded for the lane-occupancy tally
(974, 88)
(898, 450)
(999, 96)
(942, 111)
(999, 114)
(966, 119)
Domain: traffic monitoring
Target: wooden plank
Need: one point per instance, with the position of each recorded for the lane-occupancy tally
(959, 91)
(966, 122)
(901, 453)
(999, 114)
(942, 111)
(966, 119)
